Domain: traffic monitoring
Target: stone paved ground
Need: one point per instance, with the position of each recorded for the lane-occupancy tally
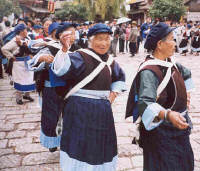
(20, 149)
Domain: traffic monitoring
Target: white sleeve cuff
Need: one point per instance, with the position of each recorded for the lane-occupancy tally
(149, 115)
(61, 63)
(32, 62)
(189, 85)
(118, 86)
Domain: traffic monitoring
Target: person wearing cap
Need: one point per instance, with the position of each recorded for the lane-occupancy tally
(133, 39)
(51, 103)
(88, 140)
(160, 94)
(17, 50)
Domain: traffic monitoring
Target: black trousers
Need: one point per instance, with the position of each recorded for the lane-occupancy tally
(133, 48)
(121, 45)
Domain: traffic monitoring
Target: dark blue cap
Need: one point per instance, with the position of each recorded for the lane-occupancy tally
(19, 27)
(37, 27)
(63, 26)
(99, 28)
(157, 33)
(53, 27)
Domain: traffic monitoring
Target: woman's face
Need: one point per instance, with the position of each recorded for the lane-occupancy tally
(70, 32)
(101, 43)
(46, 25)
(167, 46)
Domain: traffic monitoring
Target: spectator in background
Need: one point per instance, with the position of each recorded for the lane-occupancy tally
(133, 39)
(122, 35)
(128, 30)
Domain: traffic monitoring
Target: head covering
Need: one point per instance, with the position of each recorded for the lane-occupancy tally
(63, 26)
(37, 27)
(19, 27)
(53, 27)
(157, 33)
(134, 22)
(99, 28)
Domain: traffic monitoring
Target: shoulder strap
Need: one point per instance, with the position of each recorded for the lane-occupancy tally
(92, 75)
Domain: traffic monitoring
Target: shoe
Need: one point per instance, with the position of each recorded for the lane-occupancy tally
(11, 82)
(19, 102)
(53, 149)
(28, 98)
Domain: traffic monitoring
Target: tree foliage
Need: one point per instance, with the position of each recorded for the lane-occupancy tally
(167, 9)
(106, 9)
(8, 7)
(74, 12)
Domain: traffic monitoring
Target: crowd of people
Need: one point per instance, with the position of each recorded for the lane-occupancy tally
(71, 67)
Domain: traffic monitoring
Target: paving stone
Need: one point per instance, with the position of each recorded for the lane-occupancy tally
(6, 151)
(2, 135)
(29, 148)
(124, 164)
(25, 126)
(10, 161)
(14, 117)
(137, 161)
(24, 120)
(19, 141)
(129, 150)
(7, 127)
(16, 134)
(44, 157)
(3, 143)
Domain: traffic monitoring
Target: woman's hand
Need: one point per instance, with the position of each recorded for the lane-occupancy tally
(188, 100)
(112, 96)
(177, 120)
(46, 58)
(65, 40)
(18, 40)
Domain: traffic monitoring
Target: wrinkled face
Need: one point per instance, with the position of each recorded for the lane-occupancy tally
(167, 46)
(46, 25)
(24, 33)
(101, 43)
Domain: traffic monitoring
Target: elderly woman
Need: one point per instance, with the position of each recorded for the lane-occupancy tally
(51, 102)
(88, 141)
(159, 94)
(17, 50)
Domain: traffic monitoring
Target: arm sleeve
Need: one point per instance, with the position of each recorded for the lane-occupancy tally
(8, 48)
(118, 79)
(187, 77)
(68, 65)
(147, 105)
(34, 65)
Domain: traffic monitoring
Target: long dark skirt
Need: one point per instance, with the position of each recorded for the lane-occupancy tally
(88, 130)
(51, 110)
(167, 149)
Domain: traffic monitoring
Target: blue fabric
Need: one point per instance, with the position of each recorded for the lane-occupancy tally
(99, 28)
(24, 87)
(22, 58)
(157, 32)
(88, 130)
(8, 37)
(37, 27)
(4, 60)
(19, 27)
(52, 27)
(68, 163)
(189, 85)
(149, 114)
(49, 142)
(118, 86)
(64, 26)
(55, 81)
(167, 148)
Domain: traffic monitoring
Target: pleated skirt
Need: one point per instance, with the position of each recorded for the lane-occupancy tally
(167, 148)
(51, 111)
(88, 134)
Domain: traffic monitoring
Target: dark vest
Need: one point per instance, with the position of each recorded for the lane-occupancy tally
(102, 81)
(174, 96)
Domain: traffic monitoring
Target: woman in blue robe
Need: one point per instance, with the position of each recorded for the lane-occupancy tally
(88, 140)
(165, 123)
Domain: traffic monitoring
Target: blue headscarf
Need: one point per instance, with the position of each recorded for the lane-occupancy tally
(53, 27)
(19, 27)
(63, 26)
